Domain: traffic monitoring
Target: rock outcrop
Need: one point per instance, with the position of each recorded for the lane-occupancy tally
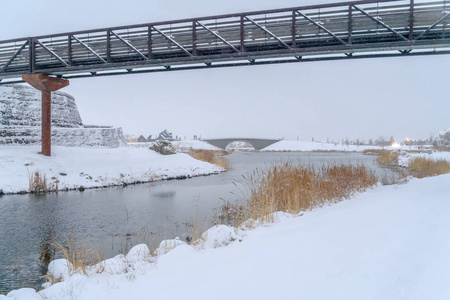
(20, 120)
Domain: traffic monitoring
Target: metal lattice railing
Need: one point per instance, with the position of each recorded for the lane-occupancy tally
(332, 31)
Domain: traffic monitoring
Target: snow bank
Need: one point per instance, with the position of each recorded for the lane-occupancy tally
(391, 242)
(182, 146)
(321, 146)
(405, 158)
(186, 146)
(71, 168)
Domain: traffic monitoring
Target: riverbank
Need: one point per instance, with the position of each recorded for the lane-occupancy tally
(72, 168)
(390, 242)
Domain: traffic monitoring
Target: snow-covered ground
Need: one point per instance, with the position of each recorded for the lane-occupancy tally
(322, 146)
(391, 242)
(404, 158)
(72, 167)
(181, 146)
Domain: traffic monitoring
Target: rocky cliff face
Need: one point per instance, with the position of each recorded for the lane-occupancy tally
(20, 105)
(20, 120)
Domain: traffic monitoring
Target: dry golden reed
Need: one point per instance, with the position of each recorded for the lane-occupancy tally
(37, 183)
(291, 188)
(423, 167)
(442, 148)
(212, 156)
(388, 158)
(78, 254)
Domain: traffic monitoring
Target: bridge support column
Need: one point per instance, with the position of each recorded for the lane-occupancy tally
(46, 85)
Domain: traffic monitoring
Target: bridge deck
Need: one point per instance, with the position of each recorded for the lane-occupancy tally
(321, 32)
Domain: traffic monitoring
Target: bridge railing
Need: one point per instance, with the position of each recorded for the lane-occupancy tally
(344, 28)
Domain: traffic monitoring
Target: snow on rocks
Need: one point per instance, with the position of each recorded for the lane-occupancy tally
(20, 120)
(219, 236)
(76, 167)
(60, 269)
(22, 294)
(168, 245)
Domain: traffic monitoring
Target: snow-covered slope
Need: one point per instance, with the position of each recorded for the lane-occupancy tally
(390, 243)
(286, 145)
(181, 146)
(72, 167)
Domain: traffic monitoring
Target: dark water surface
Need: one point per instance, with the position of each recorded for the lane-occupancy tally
(112, 220)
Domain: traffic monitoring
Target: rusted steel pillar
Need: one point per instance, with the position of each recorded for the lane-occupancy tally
(46, 85)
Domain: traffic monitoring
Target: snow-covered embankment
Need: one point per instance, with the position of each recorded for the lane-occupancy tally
(73, 167)
(391, 242)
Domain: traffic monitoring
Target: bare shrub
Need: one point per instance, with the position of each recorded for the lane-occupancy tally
(163, 147)
(211, 156)
(424, 167)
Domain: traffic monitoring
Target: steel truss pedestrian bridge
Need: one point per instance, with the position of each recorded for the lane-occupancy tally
(348, 30)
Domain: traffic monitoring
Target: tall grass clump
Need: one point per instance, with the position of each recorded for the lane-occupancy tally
(37, 183)
(215, 157)
(78, 254)
(387, 158)
(424, 167)
(442, 148)
(290, 188)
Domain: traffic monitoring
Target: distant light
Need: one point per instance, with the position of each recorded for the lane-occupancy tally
(395, 145)
(407, 139)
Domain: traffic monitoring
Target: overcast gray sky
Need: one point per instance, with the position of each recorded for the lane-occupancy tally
(403, 97)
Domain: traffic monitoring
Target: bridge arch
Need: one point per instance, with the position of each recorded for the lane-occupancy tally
(257, 144)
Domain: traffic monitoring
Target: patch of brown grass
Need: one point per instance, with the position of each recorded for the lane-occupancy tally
(37, 183)
(78, 254)
(291, 188)
(388, 158)
(212, 156)
(442, 148)
(424, 167)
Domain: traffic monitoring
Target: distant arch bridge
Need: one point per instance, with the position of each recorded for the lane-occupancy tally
(258, 144)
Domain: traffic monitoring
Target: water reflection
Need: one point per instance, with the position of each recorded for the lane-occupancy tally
(164, 195)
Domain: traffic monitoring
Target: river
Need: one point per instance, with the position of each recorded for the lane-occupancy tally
(112, 220)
